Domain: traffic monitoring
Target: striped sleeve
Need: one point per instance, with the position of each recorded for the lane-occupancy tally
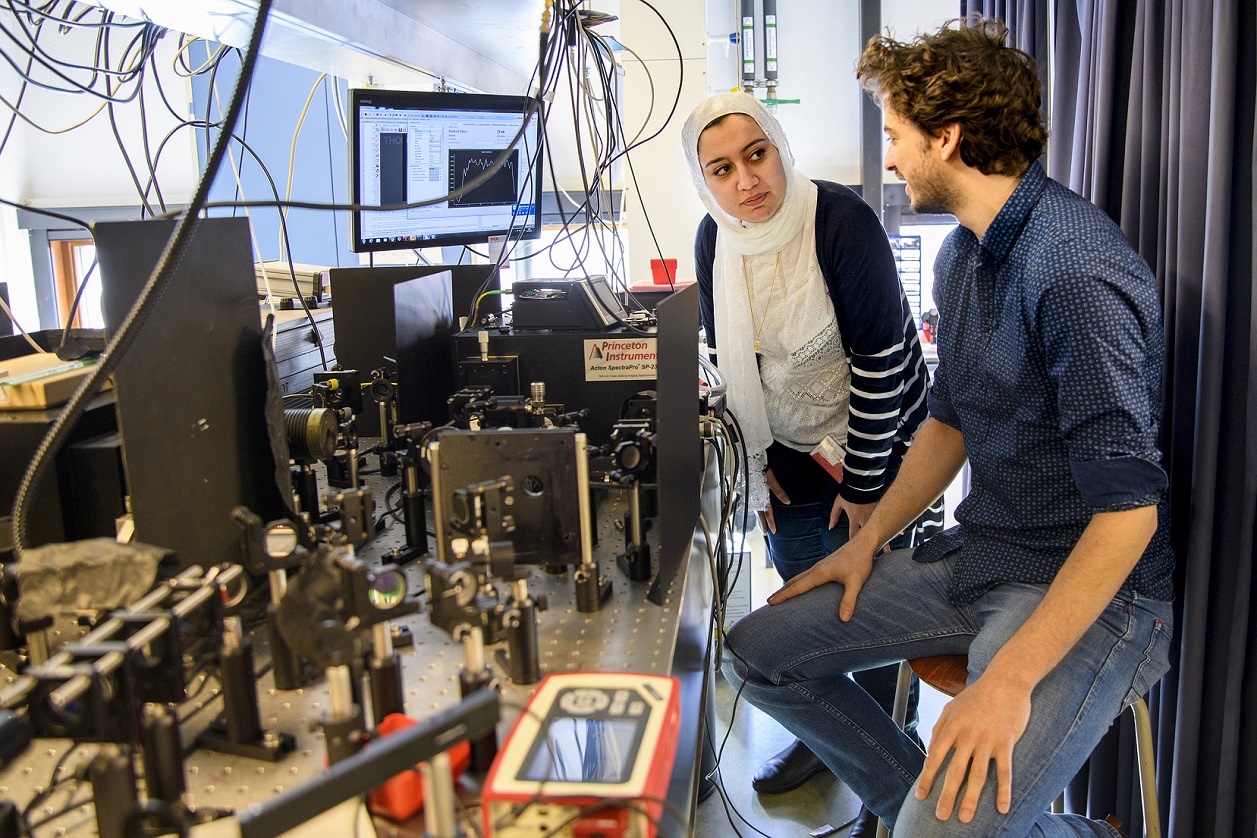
(887, 368)
(887, 407)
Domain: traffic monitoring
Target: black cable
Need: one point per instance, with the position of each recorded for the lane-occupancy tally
(543, 74)
(468, 186)
(135, 178)
(152, 63)
(209, 94)
(593, 202)
(148, 156)
(105, 26)
(75, 221)
(612, 157)
(50, 64)
(239, 165)
(103, 42)
(66, 21)
(21, 93)
(283, 226)
(558, 54)
(53, 784)
(74, 306)
(388, 506)
(138, 315)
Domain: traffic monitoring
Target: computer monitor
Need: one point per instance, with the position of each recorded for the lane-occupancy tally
(408, 146)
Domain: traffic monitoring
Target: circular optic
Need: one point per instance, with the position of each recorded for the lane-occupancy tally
(387, 589)
(630, 456)
(464, 586)
(533, 486)
(281, 540)
(233, 592)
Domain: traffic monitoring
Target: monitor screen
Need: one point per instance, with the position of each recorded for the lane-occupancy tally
(408, 147)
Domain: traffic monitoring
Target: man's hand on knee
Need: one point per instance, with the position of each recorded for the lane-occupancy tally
(980, 725)
(848, 565)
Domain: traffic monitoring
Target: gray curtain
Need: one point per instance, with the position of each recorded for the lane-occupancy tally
(1153, 116)
(1153, 107)
(1027, 22)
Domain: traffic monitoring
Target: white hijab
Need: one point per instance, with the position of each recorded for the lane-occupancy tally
(736, 240)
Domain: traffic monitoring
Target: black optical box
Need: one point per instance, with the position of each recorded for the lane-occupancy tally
(585, 303)
(403, 319)
(561, 359)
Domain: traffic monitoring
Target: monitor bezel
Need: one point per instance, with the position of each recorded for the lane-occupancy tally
(427, 100)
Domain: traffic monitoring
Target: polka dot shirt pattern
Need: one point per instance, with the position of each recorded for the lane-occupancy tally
(1050, 349)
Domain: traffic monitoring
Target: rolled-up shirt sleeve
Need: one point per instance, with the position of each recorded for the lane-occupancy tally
(940, 408)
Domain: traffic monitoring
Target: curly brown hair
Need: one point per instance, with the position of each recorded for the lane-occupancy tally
(966, 74)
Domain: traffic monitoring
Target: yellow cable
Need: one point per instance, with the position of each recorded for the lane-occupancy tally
(183, 47)
(475, 312)
(292, 159)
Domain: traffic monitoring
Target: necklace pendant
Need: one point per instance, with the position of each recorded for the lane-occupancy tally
(756, 347)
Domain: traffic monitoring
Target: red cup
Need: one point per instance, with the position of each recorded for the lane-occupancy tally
(664, 271)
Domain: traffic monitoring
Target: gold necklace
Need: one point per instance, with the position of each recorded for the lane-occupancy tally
(750, 304)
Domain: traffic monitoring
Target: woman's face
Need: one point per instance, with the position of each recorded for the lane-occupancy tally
(742, 168)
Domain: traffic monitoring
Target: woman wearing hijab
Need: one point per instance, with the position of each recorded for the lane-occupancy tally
(801, 301)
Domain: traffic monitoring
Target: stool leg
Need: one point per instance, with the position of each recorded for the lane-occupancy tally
(899, 713)
(1147, 769)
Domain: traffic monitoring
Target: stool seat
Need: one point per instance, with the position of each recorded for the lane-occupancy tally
(945, 673)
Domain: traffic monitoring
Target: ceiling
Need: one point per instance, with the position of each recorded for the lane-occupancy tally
(486, 45)
(505, 30)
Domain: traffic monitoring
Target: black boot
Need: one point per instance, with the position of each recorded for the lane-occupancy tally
(787, 770)
(865, 825)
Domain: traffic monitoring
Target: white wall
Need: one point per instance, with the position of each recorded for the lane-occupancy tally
(818, 45)
(663, 183)
(82, 167)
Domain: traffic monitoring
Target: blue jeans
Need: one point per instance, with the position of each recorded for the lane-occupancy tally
(902, 613)
(802, 539)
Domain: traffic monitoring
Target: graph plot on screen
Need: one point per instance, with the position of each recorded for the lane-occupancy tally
(469, 163)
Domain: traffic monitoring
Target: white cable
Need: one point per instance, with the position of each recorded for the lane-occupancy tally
(8, 311)
(340, 107)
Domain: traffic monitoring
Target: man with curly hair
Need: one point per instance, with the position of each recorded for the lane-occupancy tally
(1056, 582)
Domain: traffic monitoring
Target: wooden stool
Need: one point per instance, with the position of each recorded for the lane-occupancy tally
(948, 674)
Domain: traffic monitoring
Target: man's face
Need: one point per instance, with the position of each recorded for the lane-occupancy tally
(912, 157)
(742, 168)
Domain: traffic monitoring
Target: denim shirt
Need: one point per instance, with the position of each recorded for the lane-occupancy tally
(1050, 349)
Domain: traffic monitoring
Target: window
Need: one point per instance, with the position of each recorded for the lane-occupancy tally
(71, 262)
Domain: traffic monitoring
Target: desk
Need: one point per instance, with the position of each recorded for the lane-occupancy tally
(628, 633)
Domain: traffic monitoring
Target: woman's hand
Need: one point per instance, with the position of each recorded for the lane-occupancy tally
(766, 521)
(857, 514)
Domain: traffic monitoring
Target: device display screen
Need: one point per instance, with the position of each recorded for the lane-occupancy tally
(411, 147)
(576, 750)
